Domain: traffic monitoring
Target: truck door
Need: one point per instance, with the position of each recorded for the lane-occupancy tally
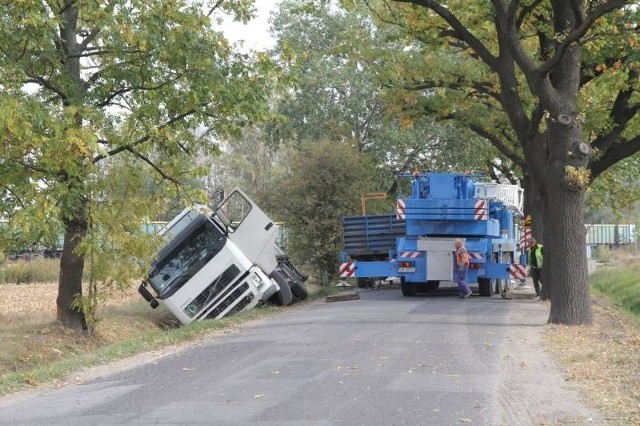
(250, 229)
(439, 254)
(439, 265)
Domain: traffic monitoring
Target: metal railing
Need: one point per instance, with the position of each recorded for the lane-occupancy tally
(510, 195)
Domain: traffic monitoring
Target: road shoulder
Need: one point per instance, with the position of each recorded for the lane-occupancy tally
(532, 388)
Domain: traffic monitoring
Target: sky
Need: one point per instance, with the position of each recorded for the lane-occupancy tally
(256, 33)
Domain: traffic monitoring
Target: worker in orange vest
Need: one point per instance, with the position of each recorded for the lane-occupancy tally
(460, 268)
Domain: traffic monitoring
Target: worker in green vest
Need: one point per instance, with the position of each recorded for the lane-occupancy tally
(534, 261)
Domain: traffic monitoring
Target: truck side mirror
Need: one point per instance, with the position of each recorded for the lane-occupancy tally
(146, 294)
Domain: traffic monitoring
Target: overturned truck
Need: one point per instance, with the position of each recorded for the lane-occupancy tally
(217, 263)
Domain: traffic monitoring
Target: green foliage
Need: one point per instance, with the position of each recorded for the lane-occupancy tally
(456, 63)
(250, 164)
(603, 254)
(339, 60)
(134, 91)
(426, 72)
(116, 249)
(325, 182)
(614, 197)
(621, 285)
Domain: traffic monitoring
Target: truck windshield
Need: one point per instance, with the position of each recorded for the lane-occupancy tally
(185, 256)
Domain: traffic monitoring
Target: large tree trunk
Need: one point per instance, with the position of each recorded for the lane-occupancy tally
(74, 219)
(564, 179)
(71, 269)
(565, 258)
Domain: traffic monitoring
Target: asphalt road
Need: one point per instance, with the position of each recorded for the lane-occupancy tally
(384, 359)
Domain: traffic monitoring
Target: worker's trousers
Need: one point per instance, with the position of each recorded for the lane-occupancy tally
(536, 276)
(459, 274)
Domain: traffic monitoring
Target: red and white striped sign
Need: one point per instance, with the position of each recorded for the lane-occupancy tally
(347, 269)
(518, 271)
(526, 233)
(410, 254)
(400, 209)
(481, 210)
(475, 255)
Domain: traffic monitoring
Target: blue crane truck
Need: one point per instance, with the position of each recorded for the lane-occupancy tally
(417, 243)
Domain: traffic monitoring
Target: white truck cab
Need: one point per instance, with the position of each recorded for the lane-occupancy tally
(217, 263)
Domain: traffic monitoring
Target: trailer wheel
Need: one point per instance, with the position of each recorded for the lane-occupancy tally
(409, 290)
(283, 297)
(485, 287)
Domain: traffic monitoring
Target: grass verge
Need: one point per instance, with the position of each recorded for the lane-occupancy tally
(604, 359)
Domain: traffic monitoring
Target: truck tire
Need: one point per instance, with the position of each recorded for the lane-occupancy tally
(485, 287)
(299, 290)
(295, 280)
(283, 297)
(409, 290)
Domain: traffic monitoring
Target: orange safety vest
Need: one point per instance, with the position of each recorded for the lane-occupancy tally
(462, 257)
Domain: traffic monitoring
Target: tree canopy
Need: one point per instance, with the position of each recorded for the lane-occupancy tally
(84, 83)
(334, 57)
(324, 183)
(553, 85)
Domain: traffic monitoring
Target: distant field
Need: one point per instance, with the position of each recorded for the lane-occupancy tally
(24, 304)
(29, 271)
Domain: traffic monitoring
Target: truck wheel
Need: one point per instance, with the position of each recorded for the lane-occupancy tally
(484, 287)
(283, 297)
(290, 271)
(295, 280)
(299, 290)
(409, 290)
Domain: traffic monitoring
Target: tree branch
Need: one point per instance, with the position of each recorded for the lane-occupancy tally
(95, 31)
(214, 7)
(615, 153)
(498, 144)
(145, 138)
(621, 113)
(461, 32)
(526, 10)
(116, 93)
(494, 139)
(153, 165)
(575, 35)
(41, 81)
(15, 196)
(536, 118)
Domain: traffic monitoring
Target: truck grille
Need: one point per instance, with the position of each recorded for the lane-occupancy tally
(230, 300)
(211, 291)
